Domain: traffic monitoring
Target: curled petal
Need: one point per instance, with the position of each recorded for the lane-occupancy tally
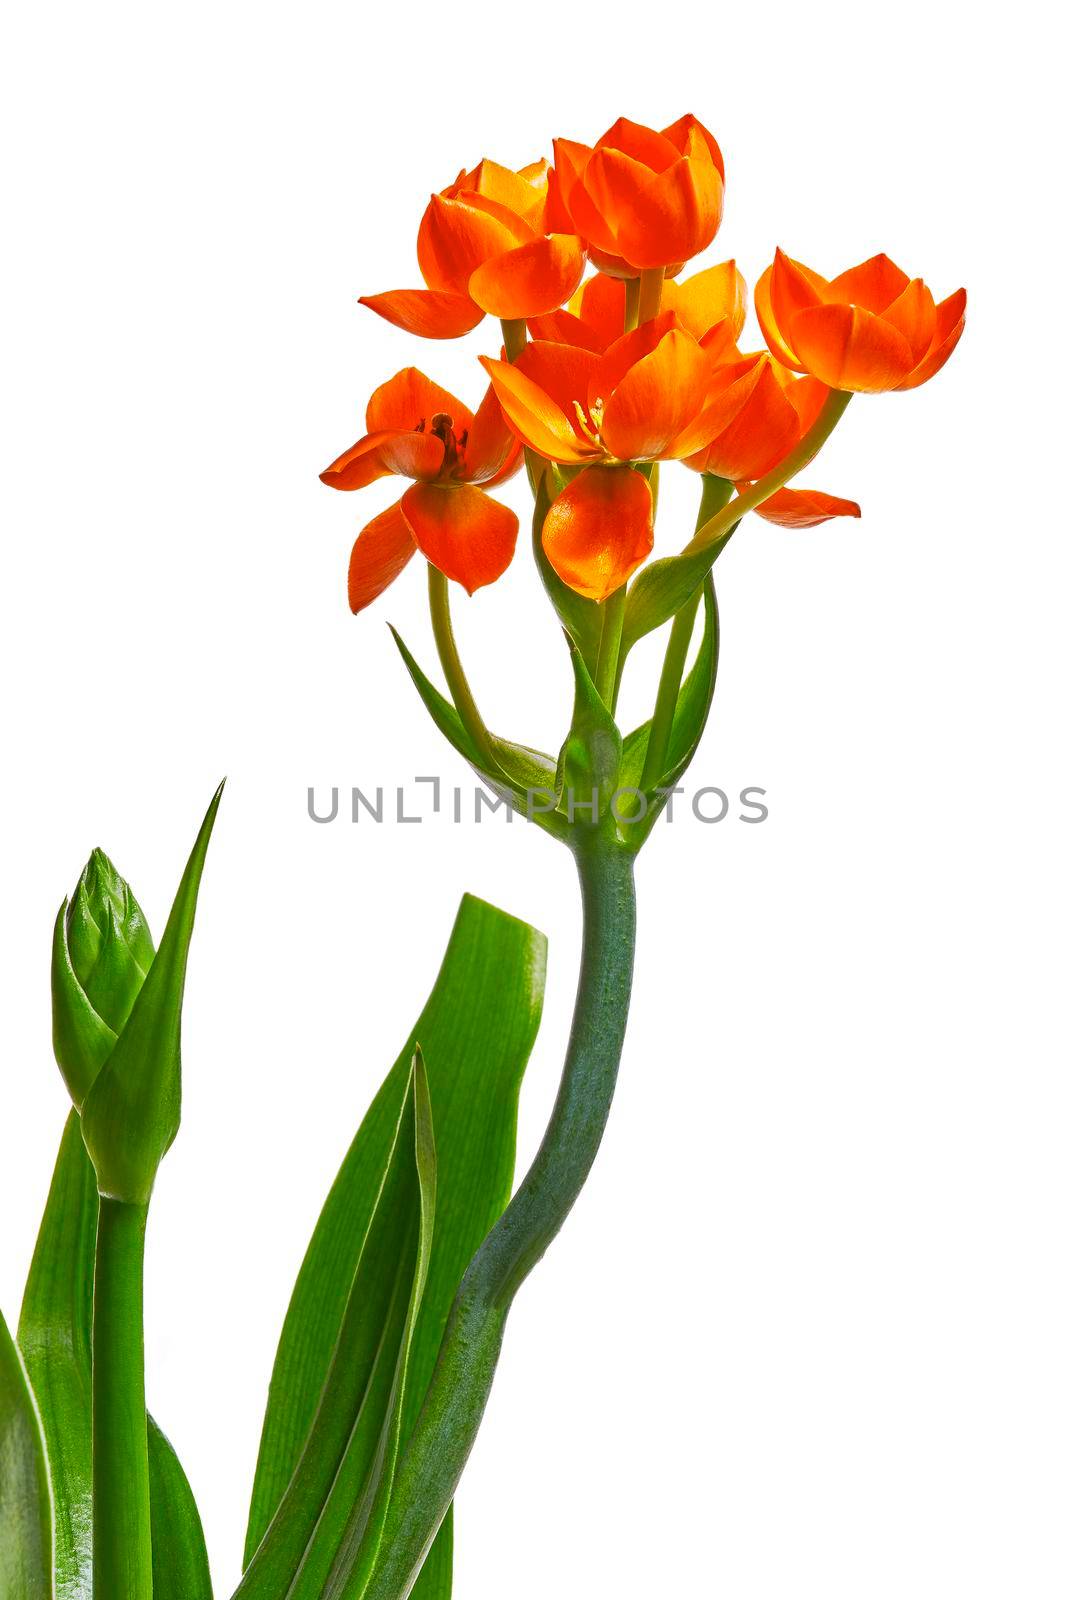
(610, 186)
(564, 327)
(804, 508)
(520, 192)
(873, 285)
(569, 163)
(456, 237)
(430, 313)
(913, 315)
(625, 352)
(690, 136)
(491, 452)
(655, 401)
(380, 554)
(653, 150)
(530, 280)
(763, 431)
(769, 327)
(362, 463)
(535, 417)
(949, 325)
(847, 348)
(674, 217)
(413, 455)
(467, 535)
(410, 398)
(599, 530)
(708, 298)
(564, 372)
(807, 397)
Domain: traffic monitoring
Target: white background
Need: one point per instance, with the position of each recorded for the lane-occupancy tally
(805, 1334)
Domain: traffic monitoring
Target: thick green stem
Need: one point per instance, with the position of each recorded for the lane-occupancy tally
(445, 1430)
(613, 611)
(455, 677)
(122, 1532)
(514, 333)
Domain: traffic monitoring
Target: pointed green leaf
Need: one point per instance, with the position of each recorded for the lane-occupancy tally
(526, 772)
(131, 1114)
(663, 587)
(25, 1499)
(55, 1337)
(589, 760)
(476, 1031)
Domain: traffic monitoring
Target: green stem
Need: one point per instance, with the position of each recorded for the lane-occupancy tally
(605, 675)
(448, 1423)
(122, 1532)
(799, 457)
(715, 494)
(649, 294)
(514, 330)
(455, 677)
(630, 315)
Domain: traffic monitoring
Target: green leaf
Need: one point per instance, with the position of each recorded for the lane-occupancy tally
(25, 1499)
(55, 1337)
(131, 1114)
(179, 1556)
(663, 587)
(581, 617)
(476, 1032)
(526, 772)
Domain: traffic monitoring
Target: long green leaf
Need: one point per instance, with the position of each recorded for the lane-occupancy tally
(55, 1337)
(663, 587)
(25, 1501)
(476, 1032)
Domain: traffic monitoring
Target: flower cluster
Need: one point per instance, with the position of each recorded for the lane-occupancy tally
(601, 379)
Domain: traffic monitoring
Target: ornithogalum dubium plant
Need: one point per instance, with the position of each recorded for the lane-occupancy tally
(614, 357)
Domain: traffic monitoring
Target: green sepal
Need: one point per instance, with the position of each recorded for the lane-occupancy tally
(55, 1338)
(81, 1039)
(526, 777)
(108, 939)
(591, 754)
(132, 1112)
(581, 617)
(687, 728)
(663, 587)
(25, 1497)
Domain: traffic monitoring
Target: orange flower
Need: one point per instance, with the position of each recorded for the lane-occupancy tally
(870, 329)
(641, 198)
(486, 246)
(710, 305)
(778, 410)
(654, 394)
(420, 431)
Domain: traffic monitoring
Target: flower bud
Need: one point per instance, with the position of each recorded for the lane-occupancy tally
(101, 952)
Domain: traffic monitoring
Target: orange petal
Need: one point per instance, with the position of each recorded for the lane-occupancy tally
(535, 416)
(431, 313)
(642, 144)
(467, 535)
(763, 431)
(562, 371)
(531, 280)
(674, 217)
(847, 348)
(949, 325)
(872, 285)
(804, 508)
(491, 451)
(688, 135)
(913, 315)
(413, 454)
(380, 554)
(774, 337)
(610, 186)
(569, 163)
(456, 237)
(708, 298)
(520, 192)
(361, 464)
(625, 352)
(599, 530)
(563, 327)
(653, 402)
(807, 398)
(601, 303)
(728, 391)
(409, 398)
